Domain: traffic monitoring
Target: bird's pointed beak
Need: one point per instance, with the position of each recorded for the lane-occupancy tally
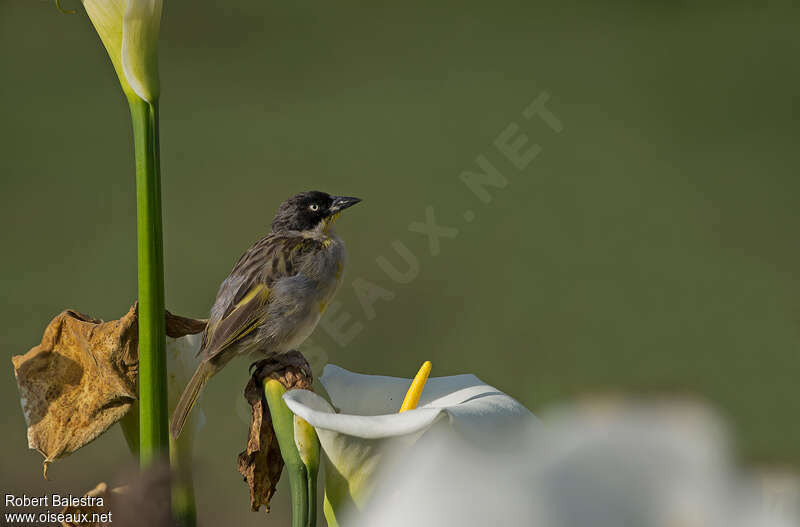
(342, 202)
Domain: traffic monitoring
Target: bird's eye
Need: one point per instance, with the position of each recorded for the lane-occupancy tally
(314, 207)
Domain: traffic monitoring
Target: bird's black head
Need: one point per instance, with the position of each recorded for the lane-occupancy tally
(309, 210)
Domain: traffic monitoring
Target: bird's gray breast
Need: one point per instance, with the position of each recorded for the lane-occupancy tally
(297, 302)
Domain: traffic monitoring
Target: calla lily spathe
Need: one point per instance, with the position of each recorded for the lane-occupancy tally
(606, 462)
(129, 31)
(367, 434)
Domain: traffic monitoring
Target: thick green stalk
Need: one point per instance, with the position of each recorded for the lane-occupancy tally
(153, 442)
(153, 415)
(283, 423)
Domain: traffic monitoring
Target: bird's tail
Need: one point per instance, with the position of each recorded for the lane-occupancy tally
(189, 396)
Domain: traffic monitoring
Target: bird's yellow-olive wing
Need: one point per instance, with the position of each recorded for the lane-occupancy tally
(242, 299)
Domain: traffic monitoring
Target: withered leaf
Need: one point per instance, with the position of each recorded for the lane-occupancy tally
(82, 378)
(261, 462)
(142, 500)
(178, 326)
(78, 381)
(75, 511)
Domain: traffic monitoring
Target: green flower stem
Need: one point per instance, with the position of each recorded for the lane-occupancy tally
(312, 495)
(283, 423)
(307, 443)
(153, 415)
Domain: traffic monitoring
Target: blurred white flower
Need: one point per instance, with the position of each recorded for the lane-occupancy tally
(129, 31)
(368, 434)
(630, 464)
(182, 360)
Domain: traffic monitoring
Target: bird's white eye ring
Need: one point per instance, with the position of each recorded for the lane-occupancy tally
(314, 207)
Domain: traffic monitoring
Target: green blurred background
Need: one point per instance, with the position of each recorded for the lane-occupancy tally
(650, 247)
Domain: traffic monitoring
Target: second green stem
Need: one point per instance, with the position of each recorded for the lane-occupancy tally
(302, 479)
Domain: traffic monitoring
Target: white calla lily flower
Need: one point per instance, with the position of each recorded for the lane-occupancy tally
(129, 31)
(608, 463)
(367, 434)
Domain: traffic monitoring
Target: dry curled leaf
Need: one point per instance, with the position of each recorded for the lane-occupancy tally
(65, 406)
(178, 326)
(81, 378)
(261, 463)
(143, 499)
(96, 510)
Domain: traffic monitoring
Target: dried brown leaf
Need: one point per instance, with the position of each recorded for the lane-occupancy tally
(261, 462)
(100, 492)
(78, 381)
(81, 378)
(142, 500)
(178, 326)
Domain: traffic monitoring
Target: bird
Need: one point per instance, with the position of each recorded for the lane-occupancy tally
(276, 293)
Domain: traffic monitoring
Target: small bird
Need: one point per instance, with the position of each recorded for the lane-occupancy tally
(276, 293)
